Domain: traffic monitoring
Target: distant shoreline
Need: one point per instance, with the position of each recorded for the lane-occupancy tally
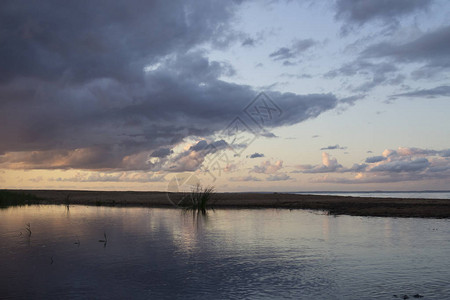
(370, 192)
(335, 205)
(386, 194)
(374, 191)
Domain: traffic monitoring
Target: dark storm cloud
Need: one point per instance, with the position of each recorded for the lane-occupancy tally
(212, 147)
(440, 91)
(160, 153)
(92, 39)
(116, 85)
(362, 11)
(297, 108)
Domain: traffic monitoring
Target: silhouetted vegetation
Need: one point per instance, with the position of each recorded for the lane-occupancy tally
(28, 229)
(67, 201)
(198, 198)
(105, 241)
(16, 198)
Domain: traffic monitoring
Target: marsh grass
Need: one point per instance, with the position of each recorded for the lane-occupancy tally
(28, 229)
(198, 199)
(27, 235)
(17, 198)
(105, 241)
(68, 201)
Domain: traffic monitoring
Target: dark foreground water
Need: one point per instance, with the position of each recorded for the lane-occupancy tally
(155, 253)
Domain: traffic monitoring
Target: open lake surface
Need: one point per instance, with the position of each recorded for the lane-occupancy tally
(153, 253)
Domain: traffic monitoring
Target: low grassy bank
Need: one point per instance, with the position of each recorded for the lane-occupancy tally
(336, 205)
(17, 198)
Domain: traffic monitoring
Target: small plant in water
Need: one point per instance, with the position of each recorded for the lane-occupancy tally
(67, 201)
(105, 241)
(198, 198)
(28, 229)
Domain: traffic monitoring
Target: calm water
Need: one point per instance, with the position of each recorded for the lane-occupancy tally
(420, 195)
(164, 253)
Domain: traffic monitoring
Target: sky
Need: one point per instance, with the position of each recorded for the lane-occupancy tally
(344, 95)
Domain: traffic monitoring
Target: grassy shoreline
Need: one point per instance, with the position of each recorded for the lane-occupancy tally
(17, 198)
(336, 205)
